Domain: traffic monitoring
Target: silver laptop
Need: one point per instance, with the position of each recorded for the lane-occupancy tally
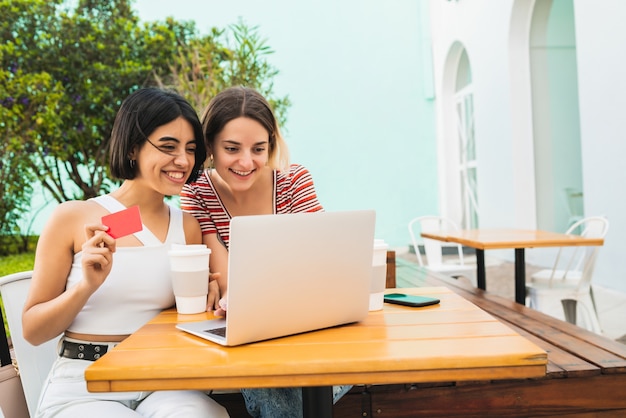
(293, 273)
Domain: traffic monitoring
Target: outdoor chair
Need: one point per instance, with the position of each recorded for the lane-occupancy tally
(433, 249)
(568, 282)
(34, 362)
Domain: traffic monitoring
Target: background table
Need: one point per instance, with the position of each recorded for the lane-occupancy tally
(448, 342)
(519, 239)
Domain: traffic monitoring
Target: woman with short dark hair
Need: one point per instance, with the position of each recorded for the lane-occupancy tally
(94, 289)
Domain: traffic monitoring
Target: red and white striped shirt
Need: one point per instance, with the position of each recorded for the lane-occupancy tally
(294, 192)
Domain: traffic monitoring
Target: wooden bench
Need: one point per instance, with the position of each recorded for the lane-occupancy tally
(586, 373)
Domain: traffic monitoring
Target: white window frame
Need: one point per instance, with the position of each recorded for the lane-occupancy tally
(467, 166)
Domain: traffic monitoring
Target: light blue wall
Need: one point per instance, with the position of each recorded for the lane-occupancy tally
(558, 163)
(600, 39)
(358, 73)
(362, 120)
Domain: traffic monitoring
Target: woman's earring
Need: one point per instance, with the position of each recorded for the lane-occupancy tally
(132, 163)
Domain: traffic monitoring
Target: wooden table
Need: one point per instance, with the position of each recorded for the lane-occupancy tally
(519, 239)
(580, 362)
(448, 342)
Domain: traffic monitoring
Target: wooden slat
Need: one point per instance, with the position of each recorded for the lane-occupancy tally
(524, 398)
(491, 239)
(560, 362)
(610, 345)
(595, 352)
(608, 355)
(390, 282)
(452, 341)
(570, 342)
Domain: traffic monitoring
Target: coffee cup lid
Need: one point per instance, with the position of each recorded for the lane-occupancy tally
(189, 250)
(379, 244)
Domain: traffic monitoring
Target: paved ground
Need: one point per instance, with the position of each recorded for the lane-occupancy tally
(499, 273)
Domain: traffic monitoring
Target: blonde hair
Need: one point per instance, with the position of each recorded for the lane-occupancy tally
(236, 102)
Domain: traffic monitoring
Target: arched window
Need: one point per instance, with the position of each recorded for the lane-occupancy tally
(467, 167)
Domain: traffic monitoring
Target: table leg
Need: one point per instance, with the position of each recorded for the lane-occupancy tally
(317, 402)
(480, 269)
(520, 276)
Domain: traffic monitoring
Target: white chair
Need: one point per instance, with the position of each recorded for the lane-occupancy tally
(433, 249)
(34, 362)
(565, 289)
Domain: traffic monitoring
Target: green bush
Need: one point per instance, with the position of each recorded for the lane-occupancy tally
(17, 244)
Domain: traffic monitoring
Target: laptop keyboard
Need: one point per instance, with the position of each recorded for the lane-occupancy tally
(217, 331)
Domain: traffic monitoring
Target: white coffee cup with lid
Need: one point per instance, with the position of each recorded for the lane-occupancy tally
(379, 275)
(189, 265)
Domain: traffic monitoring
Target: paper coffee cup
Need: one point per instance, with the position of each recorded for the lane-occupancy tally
(189, 257)
(190, 305)
(189, 266)
(379, 275)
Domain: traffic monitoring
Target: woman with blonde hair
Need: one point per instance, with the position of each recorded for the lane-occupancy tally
(248, 174)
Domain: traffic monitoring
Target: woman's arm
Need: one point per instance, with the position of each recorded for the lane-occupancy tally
(50, 308)
(218, 263)
(193, 235)
(195, 200)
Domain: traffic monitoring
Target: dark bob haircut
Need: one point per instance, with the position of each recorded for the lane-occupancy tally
(139, 116)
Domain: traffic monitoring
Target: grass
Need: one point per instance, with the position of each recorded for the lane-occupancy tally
(13, 264)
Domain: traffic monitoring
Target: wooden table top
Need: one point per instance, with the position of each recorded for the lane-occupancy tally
(451, 341)
(501, 238)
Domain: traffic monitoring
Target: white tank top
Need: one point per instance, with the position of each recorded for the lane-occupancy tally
(139, 284)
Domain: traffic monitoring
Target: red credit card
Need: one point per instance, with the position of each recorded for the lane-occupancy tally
(124, 222)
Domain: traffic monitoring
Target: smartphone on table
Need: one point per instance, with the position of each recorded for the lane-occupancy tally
(410, 300)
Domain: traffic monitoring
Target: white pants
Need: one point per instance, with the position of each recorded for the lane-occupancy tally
(65, 395)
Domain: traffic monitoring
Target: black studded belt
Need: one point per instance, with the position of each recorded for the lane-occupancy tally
(83, 351)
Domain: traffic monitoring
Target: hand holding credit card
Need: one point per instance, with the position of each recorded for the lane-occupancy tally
(124, 222)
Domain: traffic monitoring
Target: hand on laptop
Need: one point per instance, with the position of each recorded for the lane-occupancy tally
(221, 311)
(214, 292)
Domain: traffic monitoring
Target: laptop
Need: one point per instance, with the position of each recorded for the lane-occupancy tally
(293, 273)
